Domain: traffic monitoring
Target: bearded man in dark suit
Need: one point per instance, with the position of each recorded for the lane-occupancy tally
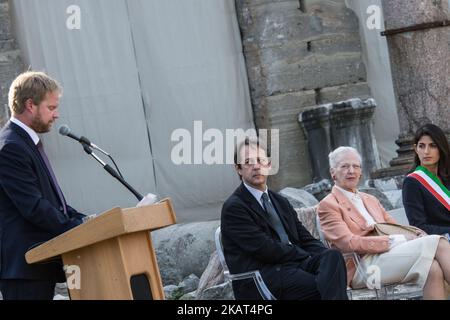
(32, 207)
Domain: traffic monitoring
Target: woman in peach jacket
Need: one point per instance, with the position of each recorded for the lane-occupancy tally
(347, 218)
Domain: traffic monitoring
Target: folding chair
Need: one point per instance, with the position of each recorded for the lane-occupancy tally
(385, 292)
(255, 275)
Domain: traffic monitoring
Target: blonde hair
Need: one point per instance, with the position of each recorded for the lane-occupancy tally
(30, 85)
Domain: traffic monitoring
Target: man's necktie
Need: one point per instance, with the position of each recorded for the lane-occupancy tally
(52, 174)
(274, 219)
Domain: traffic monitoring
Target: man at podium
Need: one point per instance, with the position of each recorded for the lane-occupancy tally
(32, 206)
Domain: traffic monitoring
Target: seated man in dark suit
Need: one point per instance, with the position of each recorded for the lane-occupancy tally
(32, 206)
(261, 231)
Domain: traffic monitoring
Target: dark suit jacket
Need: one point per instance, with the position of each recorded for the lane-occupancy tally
(30, 210)
(251, 243)
(423, 209)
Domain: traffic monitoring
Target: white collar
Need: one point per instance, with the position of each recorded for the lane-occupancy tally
(255, 192)
(350, 195)
(33, 135)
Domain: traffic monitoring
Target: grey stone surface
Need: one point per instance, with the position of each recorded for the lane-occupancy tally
(189, 284)
(172, 292)
(403, 13)
(343, 92)
(395, 198)
(423, 94)
(184, 249)
(278, 112)
(380, 196)
(386, 184)
(399, 203)
(10, 61)
(188, 296)
(319, 189)
(5, 22)
(299, 198)
(294, 51)
(399, 215)
(344, 123)
(308, 73)
(222, 291)
(275, 23)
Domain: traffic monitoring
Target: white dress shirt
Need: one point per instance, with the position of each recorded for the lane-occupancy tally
(33, 135)
(257, 194)
(356, 200)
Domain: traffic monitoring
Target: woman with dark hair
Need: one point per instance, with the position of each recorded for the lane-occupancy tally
(426, 195)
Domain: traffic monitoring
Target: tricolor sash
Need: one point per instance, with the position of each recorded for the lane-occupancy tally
(433, 185)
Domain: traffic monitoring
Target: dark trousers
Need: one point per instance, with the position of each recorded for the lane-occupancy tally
(321, 277)
(27, 289)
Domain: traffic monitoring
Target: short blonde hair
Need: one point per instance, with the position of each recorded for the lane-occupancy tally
(30, 85)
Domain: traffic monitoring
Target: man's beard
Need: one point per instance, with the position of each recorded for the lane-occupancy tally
(39, 126)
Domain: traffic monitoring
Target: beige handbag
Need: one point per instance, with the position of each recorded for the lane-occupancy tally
(386, 229)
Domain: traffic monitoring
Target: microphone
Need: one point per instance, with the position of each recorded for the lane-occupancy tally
(65, 131)
(112, 172)
(87, 145)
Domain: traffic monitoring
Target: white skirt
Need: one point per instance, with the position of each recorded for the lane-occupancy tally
(408, 262)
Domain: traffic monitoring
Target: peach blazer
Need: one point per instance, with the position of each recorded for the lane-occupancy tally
(346, 229)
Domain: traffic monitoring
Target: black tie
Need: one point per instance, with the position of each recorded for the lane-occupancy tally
(274, 219)
(52, 175)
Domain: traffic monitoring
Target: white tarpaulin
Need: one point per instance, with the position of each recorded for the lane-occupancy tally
(132, 74)
(376, 58)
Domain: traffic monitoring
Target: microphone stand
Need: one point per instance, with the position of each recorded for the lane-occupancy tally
(111, 171)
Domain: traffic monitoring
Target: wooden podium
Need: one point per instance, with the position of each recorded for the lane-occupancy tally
(114, 253)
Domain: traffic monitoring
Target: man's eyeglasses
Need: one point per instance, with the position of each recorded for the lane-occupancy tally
(251, 162)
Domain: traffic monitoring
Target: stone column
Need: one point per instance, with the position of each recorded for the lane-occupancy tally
(345, 123)
(10, 61)
(316, 125)
(298, 53)
(420, 61)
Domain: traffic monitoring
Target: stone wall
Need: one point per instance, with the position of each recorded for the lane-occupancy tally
(298, 54)
(10, 62)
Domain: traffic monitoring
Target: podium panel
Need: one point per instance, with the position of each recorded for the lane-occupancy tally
(113, 252)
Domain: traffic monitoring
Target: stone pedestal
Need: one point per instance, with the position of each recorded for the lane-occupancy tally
(420, 70)
(346, 123)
